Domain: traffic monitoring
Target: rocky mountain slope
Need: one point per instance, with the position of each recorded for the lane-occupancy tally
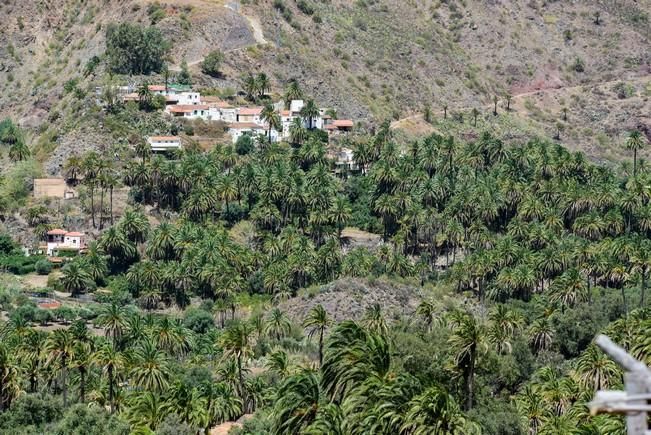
(371, 59)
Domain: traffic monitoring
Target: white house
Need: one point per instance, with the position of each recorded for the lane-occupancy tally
(164, 143)
(238, 129)
(222, 111)
(60, 240)
(249, 114)
(190, 111)
(188, 98)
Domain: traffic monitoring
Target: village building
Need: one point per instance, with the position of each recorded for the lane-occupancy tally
(52, 188)
(188, 111)
(238, 129)
(249, 114)
(338, 126)
(164, 143)
(59, 241)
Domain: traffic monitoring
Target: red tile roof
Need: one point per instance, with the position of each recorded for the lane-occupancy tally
(245, 125)
(156, 87)
(57, 232)
(75, 234)
(342, 123)
(159, 138)
(250, 110)
(185, 108)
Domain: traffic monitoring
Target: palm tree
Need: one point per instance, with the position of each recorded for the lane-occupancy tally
(541, 334)
(316, 322)
(75, 279)
(113, 319)
(250, 86)
(634, 141)
(475, 114)
(9, 380)
(340, 213)
(18, 151)
(374, 320)
(292, 92)
(237, 342)
(467, 340)
(150, 369)
(435, 412)
(297, 403)
(309, 112)
(134, 225)
(145, 96)
(596, 370)
(297, 132)
(272, 119)
(72, 169)
(426, 310)
(60, 347)
(112, 363)
(147, 410)
(263, 84)
(278, 324)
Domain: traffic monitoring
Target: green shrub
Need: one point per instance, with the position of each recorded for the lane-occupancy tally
(156, 12)
(133, 49)
(305, 7)
(43, 267)
(212, 62)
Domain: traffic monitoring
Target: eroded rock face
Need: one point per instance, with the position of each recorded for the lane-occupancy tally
(349, 298)
(76, 142)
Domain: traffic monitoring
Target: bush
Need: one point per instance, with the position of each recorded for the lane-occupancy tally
(156, 12)
(7, 244)
(30, 410)
(212, 62)
(305, 7)
(198, 320)
(43, 267)
(244, 145)
(579, 65)
(81, 419)
(133, 49)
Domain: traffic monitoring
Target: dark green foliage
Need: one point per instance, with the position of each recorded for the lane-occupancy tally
(244, 145)
(91, 65)
(31, 410)
(43, 267)
(198, 320)
(7, 244)
(184, 77)
(81, 419)
(305, 6)
(212, 62)
(133, 49)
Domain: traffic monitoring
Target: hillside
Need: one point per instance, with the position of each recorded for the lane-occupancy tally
(371, 60)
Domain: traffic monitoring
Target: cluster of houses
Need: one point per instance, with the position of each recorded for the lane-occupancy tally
(182, 102)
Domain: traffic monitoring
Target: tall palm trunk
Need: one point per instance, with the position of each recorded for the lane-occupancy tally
(82, 384)
(470, 378)
(321, 347)
(101, 208)
(64, 381)
(111, 393)
(111, 202)
(642, 288)
(92, 204)
(634, 162)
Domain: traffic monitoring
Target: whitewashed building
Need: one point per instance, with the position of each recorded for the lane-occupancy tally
(62, 240)
(164, 143)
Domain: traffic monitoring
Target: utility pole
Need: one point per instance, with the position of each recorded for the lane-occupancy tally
(634, 401)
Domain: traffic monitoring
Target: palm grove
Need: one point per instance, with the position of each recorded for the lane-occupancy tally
(537, 240)
(521, 254)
